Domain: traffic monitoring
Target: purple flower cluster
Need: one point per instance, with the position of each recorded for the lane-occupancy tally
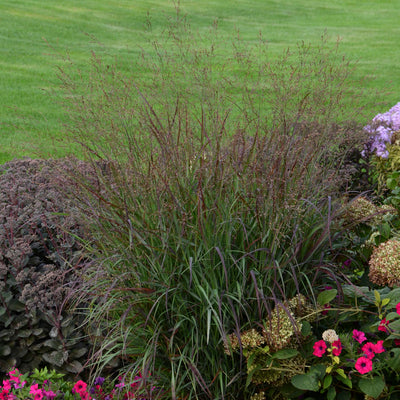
(381, 130)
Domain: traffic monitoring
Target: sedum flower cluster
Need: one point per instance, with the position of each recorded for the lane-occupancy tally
(384, 264)
(381, 131)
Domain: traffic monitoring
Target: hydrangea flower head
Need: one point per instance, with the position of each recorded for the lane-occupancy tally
(330, 336)
(384, 264)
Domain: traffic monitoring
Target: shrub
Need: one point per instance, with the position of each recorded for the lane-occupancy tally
(216, 201)
(40, 259)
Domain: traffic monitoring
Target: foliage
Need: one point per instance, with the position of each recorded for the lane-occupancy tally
(350, 350)
(40, 259)
(216, 197)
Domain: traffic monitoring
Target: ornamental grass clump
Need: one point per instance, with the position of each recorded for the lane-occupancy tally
(217, 184)
(384, 264)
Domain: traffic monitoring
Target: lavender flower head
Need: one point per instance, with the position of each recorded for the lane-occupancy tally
(381, 130)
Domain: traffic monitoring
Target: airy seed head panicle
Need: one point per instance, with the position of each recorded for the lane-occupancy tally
(384, 264)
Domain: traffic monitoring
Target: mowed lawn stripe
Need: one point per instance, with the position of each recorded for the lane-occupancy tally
(31, 120)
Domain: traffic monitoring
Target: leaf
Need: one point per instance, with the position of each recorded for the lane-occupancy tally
(343, 378)
(327, 382)
(394, 360)
(16, 305)
(385, 230)
(377, 297)
(305, 328)
(372, 387)
(385, 302)
(285, 354)
(307, 381)
(331, 394)
(326, 296)
(392, 315)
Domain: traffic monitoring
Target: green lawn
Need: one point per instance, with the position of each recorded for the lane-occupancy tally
(30, 119)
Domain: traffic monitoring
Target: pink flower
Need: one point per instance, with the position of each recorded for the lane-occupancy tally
(359, 336)
(34, 388)
(337, 347)
(319, 348)
(49, 394)
(378, 348)
(363, 365)
(398, 308)
(326, 308)
(7, 385)
(4, 395)
(79, 387)
(38, 395)
(383, 325)
(369, 350)
(84, 396)
(397, 342)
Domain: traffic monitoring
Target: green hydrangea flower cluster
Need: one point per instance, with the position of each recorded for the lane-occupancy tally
(384, 264)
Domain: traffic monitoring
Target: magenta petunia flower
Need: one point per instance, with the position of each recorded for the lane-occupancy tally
(359, 336)
(369, 350)
(79, 387)
(363, 365)
(383, 325)
(398, 308)
(319, 348)
(34, 388)
(337, 347)
(378, 347)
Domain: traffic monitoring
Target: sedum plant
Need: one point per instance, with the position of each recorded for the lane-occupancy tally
(40, 259)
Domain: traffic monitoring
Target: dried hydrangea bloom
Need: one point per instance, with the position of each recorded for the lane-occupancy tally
(249, 339)
(363, 210)
(280, 329)
(258, 396)
(330, 336)
(384, 264)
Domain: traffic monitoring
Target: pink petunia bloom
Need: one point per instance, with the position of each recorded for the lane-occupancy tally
(84, 396)
(369, 350)
(378, 347)
(398, 308)
(359, 336)
(38, 395)
(4, 395)
(397, 342)
(49, 394)
(363, 365)
(79, 387)
(337, 347)
(383, 325)
(7, 385)
(34, 388)
(319, 348)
